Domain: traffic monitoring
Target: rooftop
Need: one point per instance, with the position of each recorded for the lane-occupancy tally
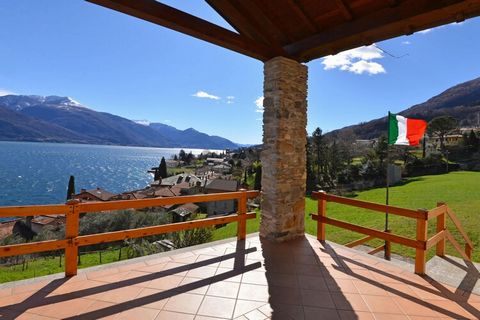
(248, 279)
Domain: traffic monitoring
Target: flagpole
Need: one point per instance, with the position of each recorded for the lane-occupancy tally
(387, 195)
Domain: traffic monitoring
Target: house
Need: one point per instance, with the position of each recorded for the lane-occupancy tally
(97, 194)
(40, 222)
(218, 186)
(214, 161)
(222, 168)
(6, 228)
(183, 212)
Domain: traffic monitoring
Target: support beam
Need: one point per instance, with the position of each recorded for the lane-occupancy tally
(166, 16)
(411, 16)
(283, 155)
(345, 10)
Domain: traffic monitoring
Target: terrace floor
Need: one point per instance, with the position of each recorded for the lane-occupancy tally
(302, 279)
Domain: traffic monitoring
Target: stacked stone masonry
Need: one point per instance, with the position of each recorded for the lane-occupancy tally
(283, 156)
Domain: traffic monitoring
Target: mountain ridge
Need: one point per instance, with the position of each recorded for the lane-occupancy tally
(62, 119)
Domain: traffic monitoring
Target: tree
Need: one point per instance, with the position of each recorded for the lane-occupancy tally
(258, 178)
(182, 155)
(440, 127)
(163, 168)
(71, 188)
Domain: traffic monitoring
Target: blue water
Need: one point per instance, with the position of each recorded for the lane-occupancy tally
(38, 173)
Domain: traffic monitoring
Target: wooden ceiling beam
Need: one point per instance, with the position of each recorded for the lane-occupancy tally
(345, 10)
(300, 13)
(411, 15)
(166, 16)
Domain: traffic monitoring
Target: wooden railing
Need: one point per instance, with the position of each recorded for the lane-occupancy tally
(421, 243)
(73, 209)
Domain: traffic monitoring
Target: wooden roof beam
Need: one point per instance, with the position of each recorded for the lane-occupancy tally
(166, 16)
(300, 13)
(411, 15)
(345, 10)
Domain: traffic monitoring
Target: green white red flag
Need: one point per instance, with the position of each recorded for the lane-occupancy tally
(405, 131)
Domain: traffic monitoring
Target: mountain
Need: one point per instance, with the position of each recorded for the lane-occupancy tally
(461, 102)
(62, 119)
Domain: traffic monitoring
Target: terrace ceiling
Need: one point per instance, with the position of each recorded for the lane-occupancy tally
(302, 30)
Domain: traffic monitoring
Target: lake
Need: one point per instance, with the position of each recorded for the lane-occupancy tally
(38, 173)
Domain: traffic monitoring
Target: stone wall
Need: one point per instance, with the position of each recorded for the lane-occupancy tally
(283, 155)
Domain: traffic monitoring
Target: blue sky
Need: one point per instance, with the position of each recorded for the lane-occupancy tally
(115, 63)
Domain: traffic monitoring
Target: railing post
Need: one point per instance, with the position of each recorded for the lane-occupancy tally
(468, 251)
(242, 210)
(322, 212)
(441, 226)
(388, 248)
(422, 233)
(71, 232)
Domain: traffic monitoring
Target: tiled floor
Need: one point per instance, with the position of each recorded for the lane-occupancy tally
(303, 279)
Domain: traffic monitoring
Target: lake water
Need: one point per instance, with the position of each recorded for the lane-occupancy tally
(38, 173)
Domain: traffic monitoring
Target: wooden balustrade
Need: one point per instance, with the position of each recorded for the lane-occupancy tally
(73, 209)
(421, 243)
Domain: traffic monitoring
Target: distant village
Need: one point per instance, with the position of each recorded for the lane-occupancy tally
(205, 174)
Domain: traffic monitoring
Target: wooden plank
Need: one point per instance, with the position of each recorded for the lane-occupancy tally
(459, 226)
(438, 238)
(441, 226)
(435, 212)
(345, 10)
(149, 231)
(169, 17)
(456, 245)
(24, 211)
(392, 21)
(371, 206)
(359, 241)
(298, 10)
(71, 232)
(372, 232)
(322, 212)
(420, 253)
(32, 247)
(242, 209)
(377, 249)
(155, 202)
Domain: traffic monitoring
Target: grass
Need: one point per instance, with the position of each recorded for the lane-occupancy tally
(460, 190)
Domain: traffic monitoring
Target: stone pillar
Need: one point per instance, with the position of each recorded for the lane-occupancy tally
(283, 155)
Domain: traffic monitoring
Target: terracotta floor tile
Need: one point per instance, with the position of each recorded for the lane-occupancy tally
(6, 292)
(224, 289)
(341, 285)
(333, 273)
(312, 283)
(253, 292)
(282, 280)
(139, 313)
(208, 260)
(202, 272)
(98, 306)
(349, 301)
(101, 273)
(175, 268)
(309, 270)
(160, 260)
(208, 318)
(158, 304)
(416, 307)
(64, 309)
(283, 311)
(216, 306)
(380, 304)
(168, 315)
(400, 290)
(119, 295)
(255, 277)
(355, 315)
(390, 316)
(255, 315)
(166, 282)
(193, 285)
(317, 299)
(312, 313)
(131, 266)
(235, 278)
(243, 307)
(152, 268)
(184, 302)
(455, 310)
(286, 296)
(369, 288)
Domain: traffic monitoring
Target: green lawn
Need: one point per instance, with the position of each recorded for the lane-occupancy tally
(460, 190)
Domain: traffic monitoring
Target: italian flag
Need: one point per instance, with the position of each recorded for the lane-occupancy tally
(405, 131)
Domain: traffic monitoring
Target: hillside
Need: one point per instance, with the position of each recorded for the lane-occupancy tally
(461, 102)
(62, 119)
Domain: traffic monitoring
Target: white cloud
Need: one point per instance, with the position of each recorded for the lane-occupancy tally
(425, 31)
(406, 43)
(259, 104)
(203, 94)
(167, 121)
(356, 60)
(4, 92)
(230, 99)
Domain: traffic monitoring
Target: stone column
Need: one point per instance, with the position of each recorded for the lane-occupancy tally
(283, 155)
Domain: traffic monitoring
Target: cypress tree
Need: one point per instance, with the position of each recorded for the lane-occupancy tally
(71, 188)
(258, 178)
(163, 168)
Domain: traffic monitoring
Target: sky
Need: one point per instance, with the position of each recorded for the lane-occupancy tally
(114, 63)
